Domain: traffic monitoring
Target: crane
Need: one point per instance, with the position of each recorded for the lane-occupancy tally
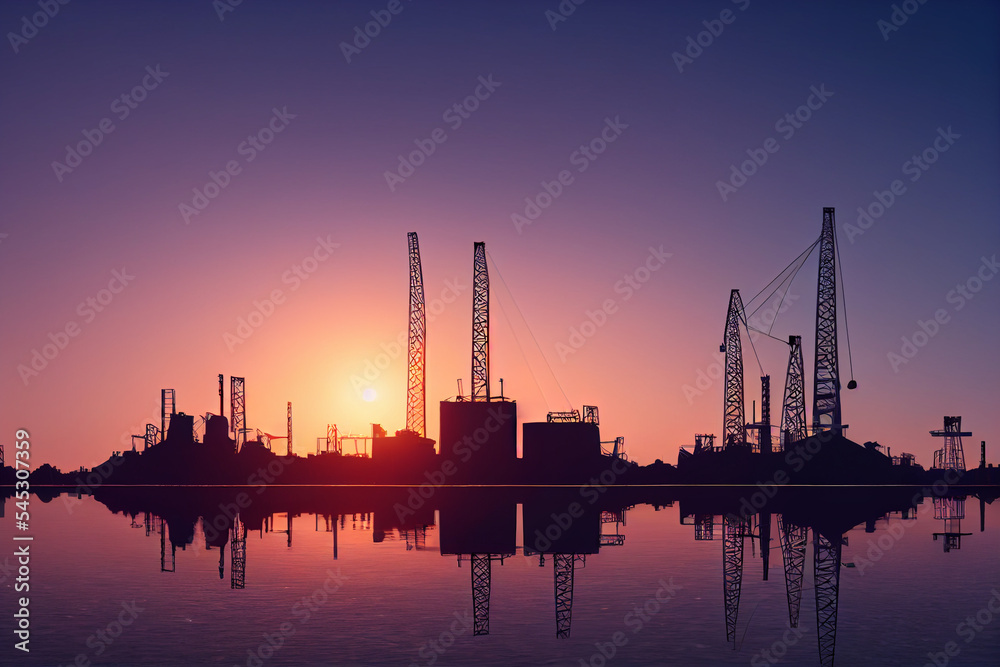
(826, 377)
(793, 410)
(734, 418)
(480, 325)
(415, 383)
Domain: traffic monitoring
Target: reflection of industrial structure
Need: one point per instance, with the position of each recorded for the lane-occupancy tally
(951, 456)
(480, 534)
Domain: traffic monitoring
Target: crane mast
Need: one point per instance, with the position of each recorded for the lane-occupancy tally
(415, 375)
(826, 380)
(734, 417)
(480, 325)
(793, 410)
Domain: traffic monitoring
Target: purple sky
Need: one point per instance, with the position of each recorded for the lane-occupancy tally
(677, 127)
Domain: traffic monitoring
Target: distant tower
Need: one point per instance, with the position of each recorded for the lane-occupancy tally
(415, 387)
(222, 404)
(764, 433)
(734, 415)
(951, 456)
(289, 428)
(237, 409)
(168, 407)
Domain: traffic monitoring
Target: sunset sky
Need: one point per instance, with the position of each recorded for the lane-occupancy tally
(112, 199)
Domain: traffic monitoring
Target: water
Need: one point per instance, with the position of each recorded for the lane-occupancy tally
(659, 593)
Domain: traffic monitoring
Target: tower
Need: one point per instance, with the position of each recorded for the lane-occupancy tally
(951, 456)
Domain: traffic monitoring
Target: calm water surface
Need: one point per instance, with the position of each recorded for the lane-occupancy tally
(356, 588)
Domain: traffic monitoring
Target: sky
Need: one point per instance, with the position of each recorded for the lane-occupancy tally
(195, 188)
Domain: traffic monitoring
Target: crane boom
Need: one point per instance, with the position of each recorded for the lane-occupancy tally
(417, 347)
(480, 325)
(734, 418)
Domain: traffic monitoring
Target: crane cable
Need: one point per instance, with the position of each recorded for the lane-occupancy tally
(843, 298)
(530, 333)
(801, 260)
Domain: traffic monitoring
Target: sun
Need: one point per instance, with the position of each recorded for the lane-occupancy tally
(369, 394)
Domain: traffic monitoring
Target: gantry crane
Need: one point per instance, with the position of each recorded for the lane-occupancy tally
(734, 428)
(480, 325)
(417, 346)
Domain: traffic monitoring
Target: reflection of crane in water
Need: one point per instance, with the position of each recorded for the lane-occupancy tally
(482, 579)
(826, 573)
(238, 563)
(734, 530)
(793, 554)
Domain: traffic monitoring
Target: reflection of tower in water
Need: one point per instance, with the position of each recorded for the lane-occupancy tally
(951, 511)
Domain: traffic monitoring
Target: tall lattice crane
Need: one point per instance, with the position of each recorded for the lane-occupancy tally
(734, 426)
(826, 378)
(417, 347)
(793, 410)
(480, 325)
